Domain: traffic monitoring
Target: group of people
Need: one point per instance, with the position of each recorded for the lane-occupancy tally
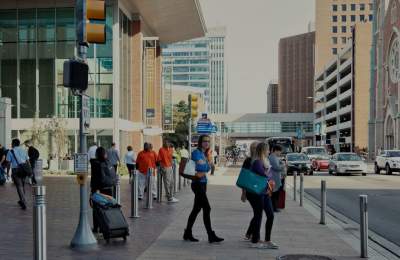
(21, 162)
(266, 163)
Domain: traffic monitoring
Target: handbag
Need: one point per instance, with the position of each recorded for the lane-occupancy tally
(24, 169)
(187, 169)
(252, 182)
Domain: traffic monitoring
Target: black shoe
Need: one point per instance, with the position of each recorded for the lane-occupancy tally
(95, 230)
(212, 238)
(188, 236)
(277, 210)
(22, 204)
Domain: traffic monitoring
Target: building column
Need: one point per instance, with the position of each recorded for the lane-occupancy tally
(116, 79)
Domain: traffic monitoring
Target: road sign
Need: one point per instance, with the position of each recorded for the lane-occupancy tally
(81, 163)
(204, 126)
(86, 114)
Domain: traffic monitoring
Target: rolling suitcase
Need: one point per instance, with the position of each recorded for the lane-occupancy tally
(281, 199)
(111, 221)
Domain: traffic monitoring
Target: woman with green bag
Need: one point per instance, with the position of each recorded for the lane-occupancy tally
(261, 203)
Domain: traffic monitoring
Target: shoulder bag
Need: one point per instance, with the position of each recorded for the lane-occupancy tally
(24, 169)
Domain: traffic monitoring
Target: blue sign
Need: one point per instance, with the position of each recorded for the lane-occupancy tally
(214, 129)
(204, 126)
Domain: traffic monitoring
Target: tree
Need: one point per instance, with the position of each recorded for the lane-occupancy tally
(181, 124)
(37, 131)
(57, 128)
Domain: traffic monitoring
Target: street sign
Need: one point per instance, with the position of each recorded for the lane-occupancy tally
(86, 114)
(81, 163)
(204, 126)
(150, 113)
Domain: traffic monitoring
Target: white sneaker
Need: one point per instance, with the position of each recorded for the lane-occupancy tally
(173, 200)
(271, 245)
(264, 245)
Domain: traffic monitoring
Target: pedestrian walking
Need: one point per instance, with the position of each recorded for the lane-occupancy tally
(276, 173)
(92, 152)
(3, 176)
(33, 154)
(210, 158)
(103, 178)
(113, 156)
(261, 203)
(130, 161)
(199, 188)
(144, 162)
(18, 157)
(247, 165)
(165, 160)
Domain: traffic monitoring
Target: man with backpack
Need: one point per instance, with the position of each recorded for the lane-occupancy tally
(19, 161)
(33, 154)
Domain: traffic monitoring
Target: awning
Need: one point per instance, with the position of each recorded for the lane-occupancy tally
(172, 20)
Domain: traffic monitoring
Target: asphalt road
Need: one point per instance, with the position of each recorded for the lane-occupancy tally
(383, 203)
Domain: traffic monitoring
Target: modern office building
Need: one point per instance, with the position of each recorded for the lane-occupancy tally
(36, 37)
(199, 63)
(333, 20)
(296, 73)
(341, 95)
(272, 97)
(385, 78)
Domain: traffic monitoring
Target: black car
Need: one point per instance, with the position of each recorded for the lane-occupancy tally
(298, 162)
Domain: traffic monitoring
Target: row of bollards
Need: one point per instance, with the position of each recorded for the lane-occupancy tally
(363, 210)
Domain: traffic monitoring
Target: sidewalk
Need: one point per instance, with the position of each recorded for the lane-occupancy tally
(295, 230)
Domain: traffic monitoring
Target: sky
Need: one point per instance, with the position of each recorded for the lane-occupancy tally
(254, 28)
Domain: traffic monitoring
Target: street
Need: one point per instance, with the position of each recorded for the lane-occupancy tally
(343, 196)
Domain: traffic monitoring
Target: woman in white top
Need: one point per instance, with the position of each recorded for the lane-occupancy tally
(130, 160)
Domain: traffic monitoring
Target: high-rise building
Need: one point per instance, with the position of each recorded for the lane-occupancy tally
(342, 96)
(124, 73)
(333, 22)
(272, 97)
(296, 73)
(218, 71)
(199, 63)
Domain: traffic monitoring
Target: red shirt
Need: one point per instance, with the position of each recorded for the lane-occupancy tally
(146, 160)
(165, 157)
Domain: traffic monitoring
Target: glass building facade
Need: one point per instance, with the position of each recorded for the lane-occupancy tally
(34, 43)
(267, 127)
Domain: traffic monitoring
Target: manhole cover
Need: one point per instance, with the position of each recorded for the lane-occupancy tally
(303, 257)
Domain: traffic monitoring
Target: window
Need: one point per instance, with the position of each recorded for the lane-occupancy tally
(353, 7)
(334, 29)
(353, 18)
(334, 51)
(344, 29)
(362, 18)
(334, 8)
(362, 7)
(371, 7)
(344, 40)
(334, 18)
(334, 40)
(344, 7)
(344, 18)
(370, 17)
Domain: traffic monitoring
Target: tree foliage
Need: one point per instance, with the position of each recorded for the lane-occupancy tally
(181, 124)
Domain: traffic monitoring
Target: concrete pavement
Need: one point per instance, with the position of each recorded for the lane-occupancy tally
(158, 233)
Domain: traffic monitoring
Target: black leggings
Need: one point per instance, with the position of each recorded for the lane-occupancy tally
(200, 203)
(131, 168)
(260, 203)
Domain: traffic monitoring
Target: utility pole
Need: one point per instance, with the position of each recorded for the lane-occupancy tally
(86, 32)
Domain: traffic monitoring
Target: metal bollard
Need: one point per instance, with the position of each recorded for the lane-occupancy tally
(159, 186)
(301, 188)
(118, 190)
(149, 195)
(294, 186)
(39, 223)
(180, 182)
(134, 196)
(175, 177)
(323, 203)
(364, 226)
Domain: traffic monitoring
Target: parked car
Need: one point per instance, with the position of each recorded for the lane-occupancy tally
(347, 163)
(298, 162)
(388, 160)
(318, 156)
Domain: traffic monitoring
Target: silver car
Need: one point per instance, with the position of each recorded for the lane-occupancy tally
(347, 163)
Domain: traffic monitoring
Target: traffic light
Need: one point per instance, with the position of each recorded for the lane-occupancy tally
(193, 106)
(95, 17)
(76, 75)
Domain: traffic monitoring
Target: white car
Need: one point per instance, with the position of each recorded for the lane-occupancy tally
(388, 160)
(347, 163)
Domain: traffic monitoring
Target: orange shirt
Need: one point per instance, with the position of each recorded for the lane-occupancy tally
(154, 159)
(165, 157)
(145, 160)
